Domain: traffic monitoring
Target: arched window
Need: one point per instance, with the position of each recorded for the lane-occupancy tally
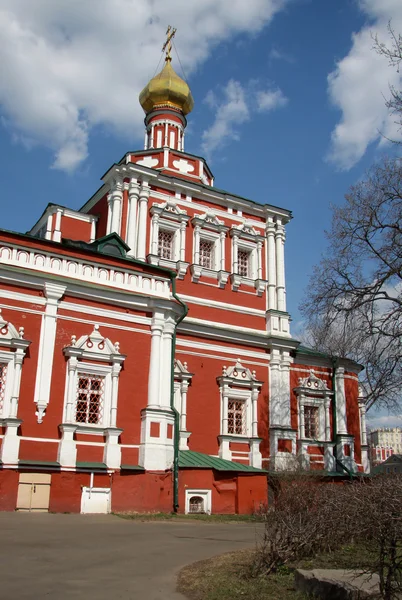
(196, 505)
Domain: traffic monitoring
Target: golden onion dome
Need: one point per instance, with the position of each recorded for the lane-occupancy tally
(167, 89)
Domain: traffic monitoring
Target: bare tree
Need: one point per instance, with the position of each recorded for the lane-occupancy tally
(393, 53)
(354, 303)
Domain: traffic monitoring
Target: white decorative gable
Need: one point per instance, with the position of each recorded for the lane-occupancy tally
(94, 346)
(168, 209)
(313, 383)
(209, 220)
(9, 336)
(239, 373)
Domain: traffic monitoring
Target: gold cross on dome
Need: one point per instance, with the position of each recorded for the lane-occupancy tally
(170, 33)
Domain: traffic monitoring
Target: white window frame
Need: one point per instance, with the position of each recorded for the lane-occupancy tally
(169, 217)
(245, 238)
(313, 391)
(7, 358)
(209, 228)
(80, 354)
(243, 396)
(206, 495)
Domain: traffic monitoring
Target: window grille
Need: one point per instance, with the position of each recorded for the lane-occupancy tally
(165, 244)
(206, 254)
(3, 377)
(311, 427)
(90, 395)
(237, 417)
(243, 263)
(196, 505)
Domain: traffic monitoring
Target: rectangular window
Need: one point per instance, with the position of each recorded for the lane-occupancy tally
(90, 396)
(311, 428)
(243, 263)
(237, 417)
(3, 377)
(165, 244)
(207, 254)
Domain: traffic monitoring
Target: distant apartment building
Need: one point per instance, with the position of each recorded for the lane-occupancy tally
(384, 442)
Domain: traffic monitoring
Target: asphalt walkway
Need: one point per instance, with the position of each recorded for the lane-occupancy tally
(104, 557)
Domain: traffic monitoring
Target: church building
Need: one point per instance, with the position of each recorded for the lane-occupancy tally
(146, 358)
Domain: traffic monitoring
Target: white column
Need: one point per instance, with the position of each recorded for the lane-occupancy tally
(197, 245)
(166, 364)
(109, 213)
(57, 226)
(155, 234)
(341, 426)
(222, 237)
(115, 388)
(93, 230)
(151, 145)
(301, 416)
(165, 140)
(146, 140)
(235, 247)
(133, 194)
(224, 412)
(183, 411)
(327, 404)
(274, 388)
(182, 142)
(18, 360)
(259, 260)
(117, 203)
(155, 361)
(270, 230)
(280, 266)
(254, 423)
(71, 389)
(183, 241)
(363, 428)
(53, 293)
(142, 220)
(48, 234)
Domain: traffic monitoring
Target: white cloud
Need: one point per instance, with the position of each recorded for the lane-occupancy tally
(359, 85)
(70, 65)
(270, 99)
(234, 109)
(383, 421)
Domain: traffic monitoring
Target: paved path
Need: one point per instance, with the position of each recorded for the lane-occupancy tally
(104, 557)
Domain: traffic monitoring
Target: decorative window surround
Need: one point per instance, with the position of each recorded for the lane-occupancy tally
(92, 347)
(198, 498)
(85, 271)
(208, 228)
(238, 383)
(247, 240)
(171, 219)
(53, 293)
(313, 392)
(13, 347)
(182, 380)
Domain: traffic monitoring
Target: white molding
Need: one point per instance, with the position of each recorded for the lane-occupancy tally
(32, 299)
(109, 314)
(205, 494)
(44, 262)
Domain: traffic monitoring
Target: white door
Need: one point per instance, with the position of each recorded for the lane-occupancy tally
(95, 500)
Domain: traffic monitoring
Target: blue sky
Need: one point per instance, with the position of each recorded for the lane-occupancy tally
(288, 101)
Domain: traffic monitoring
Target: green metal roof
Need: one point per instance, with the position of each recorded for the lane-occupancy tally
(132, 468)
(196, 460)
(38, 463)
(91, 465)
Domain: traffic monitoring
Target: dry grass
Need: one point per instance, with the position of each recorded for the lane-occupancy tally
(227, 577)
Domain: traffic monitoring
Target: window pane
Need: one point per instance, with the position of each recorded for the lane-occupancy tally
(311, 422)
(237, 417)
(89, 404)
(206, 254)
(243, 260)
(165, 244)
(3, 376)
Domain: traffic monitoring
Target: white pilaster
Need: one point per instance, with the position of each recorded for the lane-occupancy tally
(109, 213)
(11, 442)
(197, 245)
(117, 204)
(49, 222)
(280, 266)
(142, 220)
(235, 266)
(67, 451)
(183, 226)
(112, 451)
(222, 239)
(327, 405)
(133, 195)
(155, 361)
(18, 360)
(57, 226)
(183, 411)
(341, 426)
(115, 389)
(53, 293)
(270, 230)
(259, 260)
(166, 363)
